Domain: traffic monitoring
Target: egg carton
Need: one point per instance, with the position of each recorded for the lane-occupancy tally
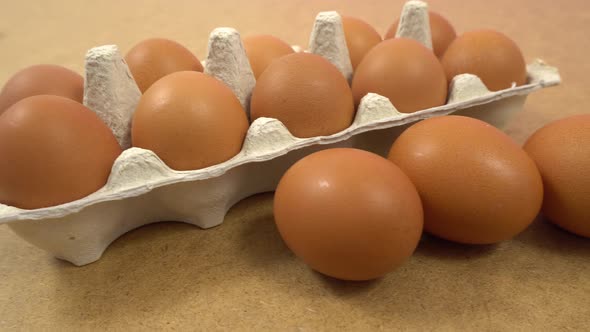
(141, 189)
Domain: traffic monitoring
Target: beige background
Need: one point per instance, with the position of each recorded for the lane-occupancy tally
(240, 275)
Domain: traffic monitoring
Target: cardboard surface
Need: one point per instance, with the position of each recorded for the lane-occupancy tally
(240, 275)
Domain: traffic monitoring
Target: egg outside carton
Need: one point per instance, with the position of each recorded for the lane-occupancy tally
(142, 189)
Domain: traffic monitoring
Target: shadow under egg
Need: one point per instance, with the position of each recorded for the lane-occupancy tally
(546, 236)
(433, 246)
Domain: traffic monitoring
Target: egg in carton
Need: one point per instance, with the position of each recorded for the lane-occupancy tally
(141, 189)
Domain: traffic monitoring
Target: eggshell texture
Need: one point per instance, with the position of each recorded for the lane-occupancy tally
(561, 151)
(348, 213)
(54, 150)
(441, 30)
(190, 120)
(42, 80)
(404, 71)
(476, 184)
(306, 93)
(155, 58)
(490, 55)
(360, 38)
(263, 49)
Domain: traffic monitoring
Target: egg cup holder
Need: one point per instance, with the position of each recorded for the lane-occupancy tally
(141, 189)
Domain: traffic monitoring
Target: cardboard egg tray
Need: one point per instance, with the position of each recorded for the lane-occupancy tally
(142, 189)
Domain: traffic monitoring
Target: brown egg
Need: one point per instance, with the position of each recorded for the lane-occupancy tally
(155, 58)
(306, 93)
(360, 38)
(404, 71)
(490, 55)
(441, 30)
(263, 49)
(476, 184)
(190, 120)
(348, 213)
(42, 80)
(54, 150)
(561, 151)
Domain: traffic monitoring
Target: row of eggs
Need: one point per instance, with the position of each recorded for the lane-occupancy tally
(57, 151)
(354, 215)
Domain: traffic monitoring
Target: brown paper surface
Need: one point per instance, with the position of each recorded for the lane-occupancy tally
(240, 276)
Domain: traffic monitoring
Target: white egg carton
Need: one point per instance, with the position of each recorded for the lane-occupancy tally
(142, 189)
